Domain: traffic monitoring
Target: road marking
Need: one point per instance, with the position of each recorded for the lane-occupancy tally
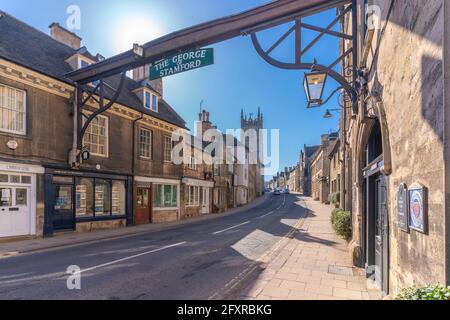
(231, 228)
(268, 214)
(132, 257)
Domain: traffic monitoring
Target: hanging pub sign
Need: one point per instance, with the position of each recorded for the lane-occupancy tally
(182, 62)
(403, 208)
(418, 208)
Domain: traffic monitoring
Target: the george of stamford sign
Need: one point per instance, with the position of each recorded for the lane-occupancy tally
(182, 62)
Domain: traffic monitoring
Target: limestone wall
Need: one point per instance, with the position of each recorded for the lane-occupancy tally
(408, 76)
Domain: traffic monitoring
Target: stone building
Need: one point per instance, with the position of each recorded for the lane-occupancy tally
(305, 169)
(293, 181)
(334, 178)
(320, 169)
(399, 144)
(129, 177)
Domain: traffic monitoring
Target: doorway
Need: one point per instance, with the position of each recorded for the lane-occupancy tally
(375, 233)
(14, 211)
(143, 206)
(205, 209)
(63, 214)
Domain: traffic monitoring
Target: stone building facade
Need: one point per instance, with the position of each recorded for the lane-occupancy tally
(399, 138)
(306, 156)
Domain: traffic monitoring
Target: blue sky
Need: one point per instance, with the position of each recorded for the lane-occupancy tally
(239, 79)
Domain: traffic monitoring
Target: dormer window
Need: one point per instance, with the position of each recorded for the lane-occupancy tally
(150, 101)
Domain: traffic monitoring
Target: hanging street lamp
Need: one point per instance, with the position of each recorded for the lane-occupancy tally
(314, 84)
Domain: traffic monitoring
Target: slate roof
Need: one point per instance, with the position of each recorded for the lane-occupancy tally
(310, 151)
(33, 49)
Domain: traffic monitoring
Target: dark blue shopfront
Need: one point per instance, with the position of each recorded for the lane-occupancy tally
(79, 197)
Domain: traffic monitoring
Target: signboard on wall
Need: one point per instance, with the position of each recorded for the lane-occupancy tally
(182, 62)
(418, 208)
(403, 208)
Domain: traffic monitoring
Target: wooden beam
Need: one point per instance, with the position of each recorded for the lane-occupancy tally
(265, 16)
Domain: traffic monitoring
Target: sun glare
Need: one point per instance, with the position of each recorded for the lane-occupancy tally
(136, 30)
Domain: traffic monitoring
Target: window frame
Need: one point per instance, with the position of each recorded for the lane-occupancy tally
(165, 144)
(25, 111)
(193, 199)
(106, 155)
(154, 99)
(150, 143)
(163, 200)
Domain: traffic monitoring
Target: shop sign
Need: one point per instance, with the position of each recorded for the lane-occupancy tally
(403, 208)
(182, 62)
(418, 208)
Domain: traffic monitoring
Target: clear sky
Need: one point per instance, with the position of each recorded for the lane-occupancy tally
(239, 79)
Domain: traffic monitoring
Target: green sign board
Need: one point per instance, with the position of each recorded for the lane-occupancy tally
(181, 63)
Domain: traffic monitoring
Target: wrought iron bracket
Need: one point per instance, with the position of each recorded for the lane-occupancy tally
(352, 88)
(86, 93)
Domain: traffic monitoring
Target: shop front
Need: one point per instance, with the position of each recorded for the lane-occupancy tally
(197, 197)
(85, 201)
(18, 198)
(157, 200)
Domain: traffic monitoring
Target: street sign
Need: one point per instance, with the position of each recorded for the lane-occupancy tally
(182, 62)
(403, 208)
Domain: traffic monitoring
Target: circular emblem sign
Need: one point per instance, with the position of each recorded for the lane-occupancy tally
(12, 144)
(417, 210)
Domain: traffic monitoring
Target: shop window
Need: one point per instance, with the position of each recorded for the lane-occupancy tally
(192, 196)
(12, 110)
(166, 196)
(102, 197)
(21, 197)
(63, 201)
(118, 198)
(5, 197)
(84, 198)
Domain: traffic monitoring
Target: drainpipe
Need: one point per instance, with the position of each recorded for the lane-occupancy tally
(133, 164)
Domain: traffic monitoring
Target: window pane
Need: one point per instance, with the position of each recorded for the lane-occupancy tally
(63, 199)
(12, 110)
(102, 197)
(5, 197)
(96, 137)
(167, 196)
(118, 198)
(148, 100)
(21, 197)
(154, 103)
(159, 196)
(26, 180)
(85, 197)
(4, 178)
(175, 196)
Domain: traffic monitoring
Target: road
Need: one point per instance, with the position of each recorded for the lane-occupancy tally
(204, 260)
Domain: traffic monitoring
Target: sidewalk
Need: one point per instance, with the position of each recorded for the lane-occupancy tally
(12, 248)
(314, 265)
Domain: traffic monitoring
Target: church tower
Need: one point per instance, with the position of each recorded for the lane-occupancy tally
(256, 123)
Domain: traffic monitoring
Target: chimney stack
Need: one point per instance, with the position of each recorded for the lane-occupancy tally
(64, 36)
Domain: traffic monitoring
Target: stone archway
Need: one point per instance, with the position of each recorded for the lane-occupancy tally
(372, 166)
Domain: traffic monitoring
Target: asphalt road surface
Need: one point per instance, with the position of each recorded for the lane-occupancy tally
(198, 261)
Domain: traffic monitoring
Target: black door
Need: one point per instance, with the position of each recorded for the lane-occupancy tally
(381, 235)
(63, 213)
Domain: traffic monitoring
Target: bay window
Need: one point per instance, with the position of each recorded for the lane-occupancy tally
(12, 110)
